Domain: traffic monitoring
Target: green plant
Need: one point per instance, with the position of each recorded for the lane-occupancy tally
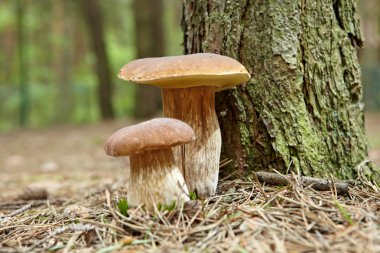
(344, 212)
(122, 206)
(168, 207)
(193, 195)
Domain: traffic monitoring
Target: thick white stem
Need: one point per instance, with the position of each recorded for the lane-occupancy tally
(155, 179)
(199, 160)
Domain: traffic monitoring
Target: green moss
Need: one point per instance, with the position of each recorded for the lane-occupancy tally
(302, 108)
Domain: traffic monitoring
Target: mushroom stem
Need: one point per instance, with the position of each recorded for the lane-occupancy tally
(196, 107)
(155, 178)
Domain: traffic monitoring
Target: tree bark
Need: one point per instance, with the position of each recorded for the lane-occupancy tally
(150, 42)
(93, 17)
(302, 109)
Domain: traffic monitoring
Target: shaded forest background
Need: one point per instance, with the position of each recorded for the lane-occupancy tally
(59, 59)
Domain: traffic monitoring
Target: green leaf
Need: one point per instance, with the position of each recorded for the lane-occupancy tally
(168, 207)
(111, 248)
(241, 250)
(171, 206)
(123, 206)
(193, 195)
(344, 212)
(57, 247)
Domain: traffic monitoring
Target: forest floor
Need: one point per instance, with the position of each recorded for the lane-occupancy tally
(59, 192)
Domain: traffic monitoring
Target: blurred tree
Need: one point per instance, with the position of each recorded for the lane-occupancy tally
(302, 110)
(23, 66)
(149, 43)
(93, 17)
(61, 30)
(370, 57)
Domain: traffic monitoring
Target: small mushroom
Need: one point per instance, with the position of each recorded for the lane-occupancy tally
(188, 85)
(154, 176)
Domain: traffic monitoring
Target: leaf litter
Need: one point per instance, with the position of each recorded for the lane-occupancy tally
(244, 216)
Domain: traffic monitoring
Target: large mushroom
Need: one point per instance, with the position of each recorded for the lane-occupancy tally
(154, 176)
(188, 87)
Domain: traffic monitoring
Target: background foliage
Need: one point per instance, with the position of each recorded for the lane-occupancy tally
(57, 46)
(59, 70)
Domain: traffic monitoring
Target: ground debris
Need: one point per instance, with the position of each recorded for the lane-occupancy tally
(77, 211)
(341, 187)
(7, 217)
(252, 217)
(33, 194)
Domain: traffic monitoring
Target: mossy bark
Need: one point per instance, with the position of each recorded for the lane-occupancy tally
(302, 110)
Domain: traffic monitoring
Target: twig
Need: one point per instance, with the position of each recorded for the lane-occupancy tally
(7, 217)
(61, 230)
(224, 162)
(18, 211)
(71, 242)
(100, 224)
(318, 184)
(17, 204)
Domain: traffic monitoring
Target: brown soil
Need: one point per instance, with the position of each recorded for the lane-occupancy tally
(65, 159)
(60, 159)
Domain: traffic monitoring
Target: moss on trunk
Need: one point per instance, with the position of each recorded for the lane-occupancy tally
(302, 110)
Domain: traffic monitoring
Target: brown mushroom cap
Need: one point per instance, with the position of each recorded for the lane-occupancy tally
(203, 69)
(153, 134)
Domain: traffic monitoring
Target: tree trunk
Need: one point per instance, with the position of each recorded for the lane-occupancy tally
(302, 110)
(93, 16)
(61, 28)
(23, 66)
(150, 42)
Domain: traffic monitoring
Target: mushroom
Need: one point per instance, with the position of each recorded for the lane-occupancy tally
(154, 176)
(188, 87)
